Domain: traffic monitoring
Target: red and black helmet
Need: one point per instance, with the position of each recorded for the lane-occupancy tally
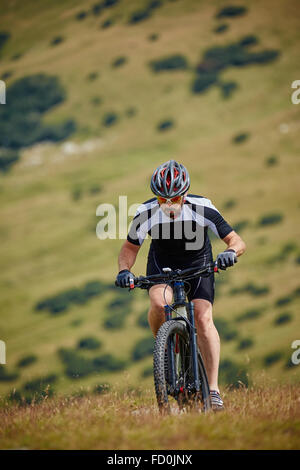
(170, 179)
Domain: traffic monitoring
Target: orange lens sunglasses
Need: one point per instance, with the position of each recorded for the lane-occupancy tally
(173, 200)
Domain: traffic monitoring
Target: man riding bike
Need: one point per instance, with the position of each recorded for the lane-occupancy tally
(178, 223)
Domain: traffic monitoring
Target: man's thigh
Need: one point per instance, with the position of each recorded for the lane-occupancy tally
(160, 294)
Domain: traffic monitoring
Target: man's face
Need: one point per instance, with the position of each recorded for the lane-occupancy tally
(171, 207)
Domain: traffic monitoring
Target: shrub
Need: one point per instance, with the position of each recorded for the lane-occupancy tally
(139, 15)
(165, 125)
(221, 28)
(228, 88)
(249, 40)
(95, 189)
(6, 376)
(283, 301)
(142, 320)
(147, 372)
(173, 62)
(270, 219)
(92, 76)
(6, 75)
(203, 82)
(251, 289)
(56, 41)
(250, 314)
(130, 112)
(102, 388)
(153, 37)
(61, 302)
(108, 363)
(119, 61)
(109, 119)
(229, 204)
(107, 23)
(245, 343)
(7, 159)
(271, 161)
(81, 15)
(240, 138)
(29, 98)
(241, 225)
(76, 365)
(96, 101)
(143, 348)
(27, 360)
(283, 318)
(272, 358)
(225, 330)
(115, 320)
(40, 383)
(231, 11)
(97, 8)
(89, 342)
(232, 374)
(4, 37)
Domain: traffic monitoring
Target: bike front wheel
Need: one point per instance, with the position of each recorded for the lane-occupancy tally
(173, 370)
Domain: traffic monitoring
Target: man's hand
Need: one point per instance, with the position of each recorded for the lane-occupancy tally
(226, 259)
(123, 278)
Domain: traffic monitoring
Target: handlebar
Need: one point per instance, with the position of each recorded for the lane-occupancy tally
(170, 275)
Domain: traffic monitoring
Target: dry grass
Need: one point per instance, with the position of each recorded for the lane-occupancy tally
(256, 418)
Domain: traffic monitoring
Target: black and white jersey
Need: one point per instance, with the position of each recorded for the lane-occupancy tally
(184, 237)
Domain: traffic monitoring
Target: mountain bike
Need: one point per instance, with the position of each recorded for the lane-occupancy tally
(178, 367)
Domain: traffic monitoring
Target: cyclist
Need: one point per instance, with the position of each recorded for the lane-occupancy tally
(178, 222)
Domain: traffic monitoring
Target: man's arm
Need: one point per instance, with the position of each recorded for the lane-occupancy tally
(128, 255)
(234, 242)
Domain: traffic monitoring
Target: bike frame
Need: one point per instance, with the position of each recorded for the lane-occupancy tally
(180, 301)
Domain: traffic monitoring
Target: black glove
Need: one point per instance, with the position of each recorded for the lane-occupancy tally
(123, 278)
(226, 259)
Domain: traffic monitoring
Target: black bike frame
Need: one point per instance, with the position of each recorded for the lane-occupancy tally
(180, 301)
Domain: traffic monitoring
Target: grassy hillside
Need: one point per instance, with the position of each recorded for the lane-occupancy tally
(131, 421)
(49, 198)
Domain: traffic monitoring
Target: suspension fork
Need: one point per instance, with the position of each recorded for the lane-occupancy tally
(193, 345)
(170, 349)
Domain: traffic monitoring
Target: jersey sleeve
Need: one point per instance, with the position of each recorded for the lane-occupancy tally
(215, 221)
(138, 228)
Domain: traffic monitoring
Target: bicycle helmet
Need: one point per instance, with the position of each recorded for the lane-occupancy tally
(170, 179)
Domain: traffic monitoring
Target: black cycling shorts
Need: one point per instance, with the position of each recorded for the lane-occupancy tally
(197, 288)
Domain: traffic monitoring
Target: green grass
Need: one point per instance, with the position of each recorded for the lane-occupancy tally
(48, 239)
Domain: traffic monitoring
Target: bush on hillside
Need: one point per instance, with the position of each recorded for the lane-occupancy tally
(225, 330)
(221, 28)
(228, 88)
(229, 204)
(29, 98)
(4, 37)
(172, 62)
(240, 226)
(204, 81)
(27, 360)
(245, 343)
(7, 159)
(81, 15)
(108, 363)
(165, 125)
(272, 160)
(142, 320)
(143, 14)
(240, 138)
(143, 348)
(232, 374)
(250, 314)
(270, 219)
(231, 11)
(107, 23)
(250, 288)
(272, 358)
(56, 41)
(119, 61)
(88, 342)
(283, 318)
(101, 388)
(109, 119)
(6, 376)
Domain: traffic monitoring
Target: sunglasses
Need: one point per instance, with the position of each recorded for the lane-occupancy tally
(172, 200)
